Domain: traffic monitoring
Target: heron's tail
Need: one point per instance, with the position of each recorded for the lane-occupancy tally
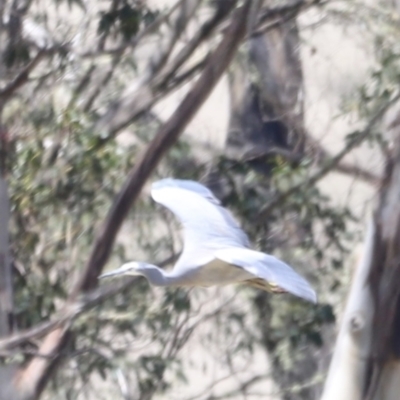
(276, 274)
(259, 283)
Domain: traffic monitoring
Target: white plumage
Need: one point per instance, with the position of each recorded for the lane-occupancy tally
(216, 251)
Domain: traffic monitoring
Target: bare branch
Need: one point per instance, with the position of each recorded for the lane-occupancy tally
(356, 171)
(102, 84)
(284, 12)
(186, 75)
(202, 34)
(21, 78)
(67, 314)
(164, 140)
(119, 52)
(354, 142)
(142, 96)
(149, 29)
(34, 377)
(186, 12)
(321, 156)
(72, 311)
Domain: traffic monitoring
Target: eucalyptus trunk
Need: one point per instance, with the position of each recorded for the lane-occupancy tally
(366, 360)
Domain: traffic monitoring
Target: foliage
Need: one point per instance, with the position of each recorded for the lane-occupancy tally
(125, 21)
(63, 177)
(61, 184)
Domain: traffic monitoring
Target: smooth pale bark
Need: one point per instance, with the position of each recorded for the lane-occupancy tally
(382, 378)
(345, 380)
(389, 384)
(366, 359)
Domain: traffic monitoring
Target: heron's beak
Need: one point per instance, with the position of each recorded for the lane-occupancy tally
(118, 271)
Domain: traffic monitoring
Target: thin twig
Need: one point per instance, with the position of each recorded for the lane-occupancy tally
(72, 311)
(21, 78)
(154, 88)
(355, 141)
(149, 29)
(202, 34)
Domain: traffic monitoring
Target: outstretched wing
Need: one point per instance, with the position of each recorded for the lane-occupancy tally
(207, 225)
(269, 268)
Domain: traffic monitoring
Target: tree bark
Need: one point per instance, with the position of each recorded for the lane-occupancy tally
(348, 365)
(265, 90)
(266, 119)
(366, 360)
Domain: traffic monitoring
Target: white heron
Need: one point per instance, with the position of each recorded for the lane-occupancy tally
(216, 251)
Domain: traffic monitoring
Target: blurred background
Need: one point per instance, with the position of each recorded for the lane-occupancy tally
(291, 140)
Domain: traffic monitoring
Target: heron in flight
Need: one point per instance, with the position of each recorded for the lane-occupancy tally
(216, 250)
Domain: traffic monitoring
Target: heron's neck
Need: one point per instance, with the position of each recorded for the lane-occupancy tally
(156, 276)
(159, 277)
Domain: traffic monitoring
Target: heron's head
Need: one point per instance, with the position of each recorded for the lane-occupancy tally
(130, 268)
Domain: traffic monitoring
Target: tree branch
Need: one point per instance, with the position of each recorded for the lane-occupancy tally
(165, 138)
(186, 12)
(323, 157)
(72, 311)
(354, 142)
(37, 373)
(131, 44)
(68, 314)
(142, 96)
(202, 34)
(21, 78)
